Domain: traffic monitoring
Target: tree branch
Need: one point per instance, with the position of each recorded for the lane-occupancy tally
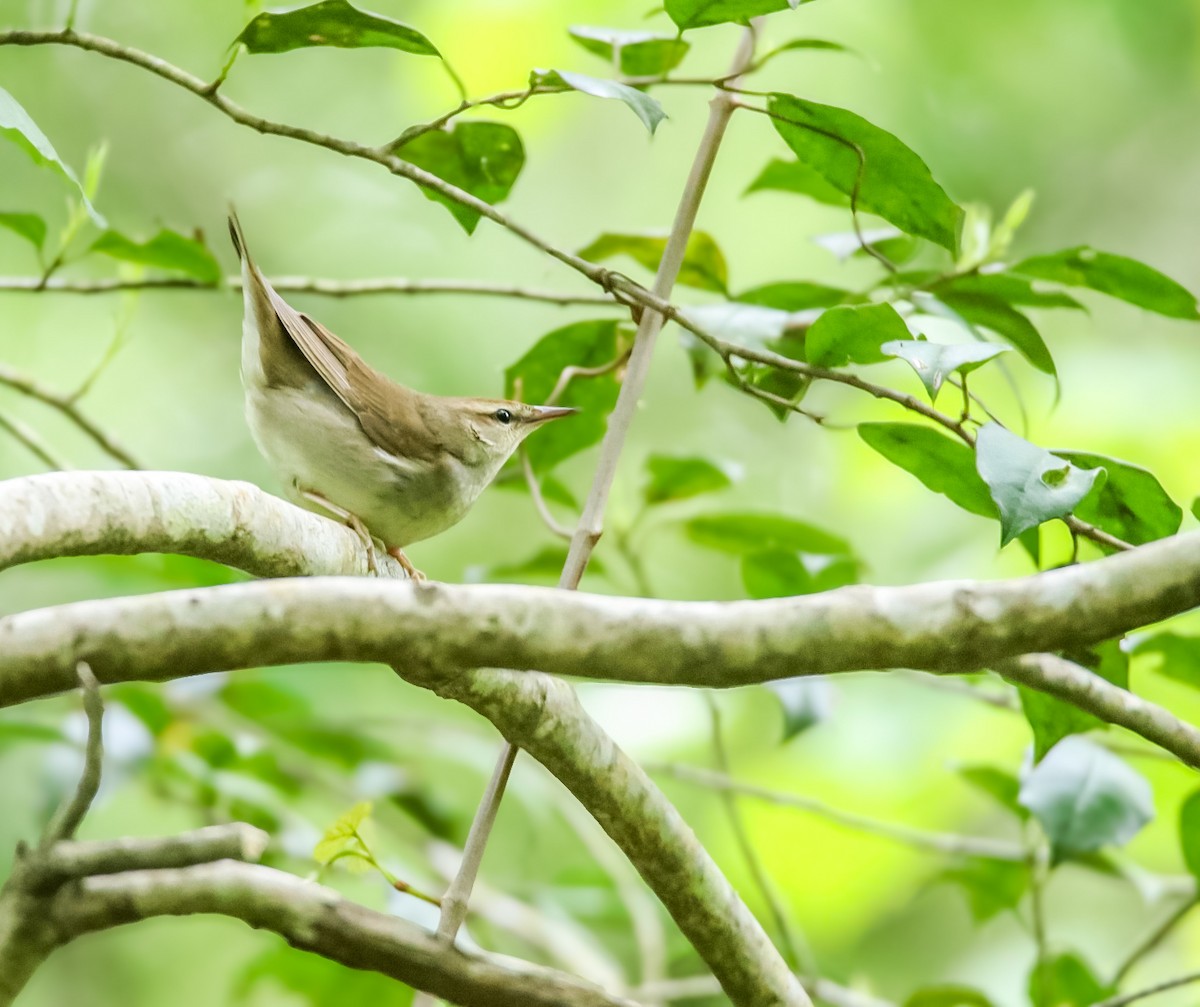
(1080, 687)
(304, 285)
(312, 918)
(70, 814)
(1169, 984)
(65, 405)
(126, 513)
(542, 715)
(948, 626)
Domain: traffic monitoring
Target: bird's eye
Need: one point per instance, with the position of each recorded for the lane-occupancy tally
(503, 415)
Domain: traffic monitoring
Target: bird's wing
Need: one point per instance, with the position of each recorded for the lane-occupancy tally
(388, 412)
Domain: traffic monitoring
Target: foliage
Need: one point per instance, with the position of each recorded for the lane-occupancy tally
(932, 292)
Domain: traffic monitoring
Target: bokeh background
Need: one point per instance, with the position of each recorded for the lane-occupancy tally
(1094, 104)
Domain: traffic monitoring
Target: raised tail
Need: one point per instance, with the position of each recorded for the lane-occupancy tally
(235, 234)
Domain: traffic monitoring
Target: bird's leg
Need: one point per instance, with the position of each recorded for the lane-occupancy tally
(352, 520)
(398, 555)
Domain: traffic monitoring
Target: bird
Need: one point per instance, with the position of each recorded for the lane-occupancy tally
(348, 442)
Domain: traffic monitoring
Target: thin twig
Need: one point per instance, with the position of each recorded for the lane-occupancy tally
(63, 404)
(693, 987)
(937, 842)
(379, 155)
(1169, 984)
(1153, 939)
(1035, 860)
(25, 435)
(458, 894)
(796, 949)
(572, 371)
(70, 814)
(323, 286)
(539, 501)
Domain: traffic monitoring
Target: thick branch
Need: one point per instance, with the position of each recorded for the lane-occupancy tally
(29, 932)
(1079, 687)
(125, 513)
(947, 626)
(317, 919)
(542, 715)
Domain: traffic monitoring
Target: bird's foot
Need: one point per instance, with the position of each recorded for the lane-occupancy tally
(352, 521)
(360, 530)
(398, 555)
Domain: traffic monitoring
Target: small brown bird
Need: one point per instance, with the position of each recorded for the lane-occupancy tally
(349, 442)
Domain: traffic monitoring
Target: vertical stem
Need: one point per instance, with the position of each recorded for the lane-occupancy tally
(795, 948)
(587, 534)
(1037, 909)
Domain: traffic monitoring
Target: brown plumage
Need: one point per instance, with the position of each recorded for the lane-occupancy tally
(348, 441)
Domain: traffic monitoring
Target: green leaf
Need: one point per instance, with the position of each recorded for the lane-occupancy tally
(804, 702)
(583, 344)
(147, 704)
(991, 886)
(1004, 320)
(636, 53)
(672, 478)
(1066, 981)
(1115, 275)
(934, 362)
(334, 23)
(853, 334)
(343, 834)
(264, 701)
(741, 533)
(703, 264)
(483, 158)
(998, 784)
(947, 996)
(798, 177)
(783, 573)
(809, 44)
(166, 250)
(891, 180)
(17, 126)
(794, 296)
(1007, 287)
(700, 13)
(1028, 484)
(644, 107)
(1189, 833)
(1178, 656)
(943, 465)
(1086, 798)
(1130, 503)
(1051, 719)
(29, 226)
(17, 732)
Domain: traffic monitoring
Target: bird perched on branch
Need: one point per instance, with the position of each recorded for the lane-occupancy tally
(349, 442)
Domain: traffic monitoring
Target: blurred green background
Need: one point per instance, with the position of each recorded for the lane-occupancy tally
(1094, 104)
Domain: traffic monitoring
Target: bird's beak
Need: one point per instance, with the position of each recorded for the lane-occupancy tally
(543, 413)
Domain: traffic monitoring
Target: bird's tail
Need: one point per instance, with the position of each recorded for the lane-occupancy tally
(235, 233)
